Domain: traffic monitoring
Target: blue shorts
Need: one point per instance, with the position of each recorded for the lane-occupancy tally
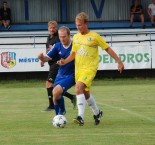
(65, 82)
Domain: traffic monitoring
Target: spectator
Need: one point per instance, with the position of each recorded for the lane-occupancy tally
(151, 12)
(136, 10)
(5, 15)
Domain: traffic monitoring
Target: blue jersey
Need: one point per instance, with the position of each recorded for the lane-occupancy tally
(58, 52)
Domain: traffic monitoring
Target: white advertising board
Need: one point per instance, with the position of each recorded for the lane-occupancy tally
(25, 59)
(133, 57)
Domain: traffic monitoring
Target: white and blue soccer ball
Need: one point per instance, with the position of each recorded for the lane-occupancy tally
(59, 121)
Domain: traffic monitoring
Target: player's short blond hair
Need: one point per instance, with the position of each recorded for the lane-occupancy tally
(64, 28)
(82, 17)
(52, 23)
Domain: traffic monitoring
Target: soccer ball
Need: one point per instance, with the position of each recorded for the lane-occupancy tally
(59, 121)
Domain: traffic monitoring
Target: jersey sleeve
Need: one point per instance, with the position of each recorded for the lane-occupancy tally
(101, 42)
(52, 54)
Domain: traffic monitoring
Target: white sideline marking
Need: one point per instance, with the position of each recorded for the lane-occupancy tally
(130, 112)
(88, 134)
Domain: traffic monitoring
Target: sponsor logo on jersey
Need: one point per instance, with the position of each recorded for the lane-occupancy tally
(89, 39)
(82, 52)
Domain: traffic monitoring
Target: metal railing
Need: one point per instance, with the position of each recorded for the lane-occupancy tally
(149, 35)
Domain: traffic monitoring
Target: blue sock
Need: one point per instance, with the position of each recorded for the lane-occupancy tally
(56, 108)
(61, 104)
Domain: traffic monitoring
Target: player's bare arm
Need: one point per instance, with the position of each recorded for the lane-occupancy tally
(43, 58)
(114, 56)
(67, 60)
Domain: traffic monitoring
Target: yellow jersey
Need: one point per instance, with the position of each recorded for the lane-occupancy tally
(86, 49)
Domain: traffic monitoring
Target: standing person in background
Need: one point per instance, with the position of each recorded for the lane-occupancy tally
(151, 12)
(53, 67)
(136, 10)
(85, 52)
(5, 13)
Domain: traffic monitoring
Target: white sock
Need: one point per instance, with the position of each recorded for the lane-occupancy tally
(81, 103)
(91, 102)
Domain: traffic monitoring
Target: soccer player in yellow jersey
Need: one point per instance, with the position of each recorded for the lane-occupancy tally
(85, 53)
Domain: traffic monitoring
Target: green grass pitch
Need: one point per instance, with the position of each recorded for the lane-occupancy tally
(128, 106)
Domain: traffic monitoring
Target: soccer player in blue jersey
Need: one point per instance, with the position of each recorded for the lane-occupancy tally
(65, 74)
(53, 38)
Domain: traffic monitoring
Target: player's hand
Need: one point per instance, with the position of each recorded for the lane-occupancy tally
(41, 56)
(42, 64)
(120, 67)
(61, 62)
(48, 49)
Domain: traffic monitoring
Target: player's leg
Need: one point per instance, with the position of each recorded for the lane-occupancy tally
(82, 90)
(92, 104)
(83, 80)
(60, 87)
(58, 100)
(81, 103)
(71, 97)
